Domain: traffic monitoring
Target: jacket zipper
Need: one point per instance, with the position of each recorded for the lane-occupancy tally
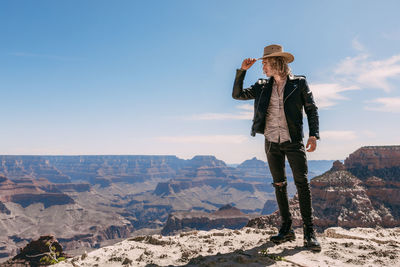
(289, 95)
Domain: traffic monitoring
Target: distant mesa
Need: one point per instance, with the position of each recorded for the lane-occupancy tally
(15, 167)
(374, 157)
(209, 161)
(228, 210)
(380, 161)
(255, 170)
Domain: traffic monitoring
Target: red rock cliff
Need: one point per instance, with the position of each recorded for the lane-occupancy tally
(374, 157)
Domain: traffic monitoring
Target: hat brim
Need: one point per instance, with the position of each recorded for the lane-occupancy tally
(289, 57)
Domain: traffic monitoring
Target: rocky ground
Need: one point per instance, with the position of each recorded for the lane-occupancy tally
(249, 247)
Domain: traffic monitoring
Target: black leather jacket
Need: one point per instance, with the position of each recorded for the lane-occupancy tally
(296, 95)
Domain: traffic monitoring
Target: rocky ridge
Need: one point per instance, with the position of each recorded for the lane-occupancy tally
(41, 252)
(63, 169)
(340, 198)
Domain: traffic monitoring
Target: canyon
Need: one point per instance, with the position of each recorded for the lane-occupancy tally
(89, 201)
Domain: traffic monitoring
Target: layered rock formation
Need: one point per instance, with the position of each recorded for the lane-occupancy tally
(15, 167)
(64, 169)
(374, 157)
(225, 217)
(28, 191)
(342, 199)
(180, 184)
(201, 187)
(380, 161)
(207, 171)
(127, 169)
(379, 169)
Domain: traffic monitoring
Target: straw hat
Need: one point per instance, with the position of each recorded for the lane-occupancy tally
(277, 51)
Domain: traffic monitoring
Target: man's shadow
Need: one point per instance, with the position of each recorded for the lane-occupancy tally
(252, 257)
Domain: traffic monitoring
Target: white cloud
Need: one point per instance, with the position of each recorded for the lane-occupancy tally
(356, 73)
(245, 113)
(338, 135)
(386, 104)
(363, 72)
(204, 139)
(328, 94)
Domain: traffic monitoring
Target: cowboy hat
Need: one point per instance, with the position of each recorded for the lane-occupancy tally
(276, 51)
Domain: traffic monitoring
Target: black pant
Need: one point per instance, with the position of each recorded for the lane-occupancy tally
(296, 155)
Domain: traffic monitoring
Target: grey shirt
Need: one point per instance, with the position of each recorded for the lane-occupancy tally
(276, 128)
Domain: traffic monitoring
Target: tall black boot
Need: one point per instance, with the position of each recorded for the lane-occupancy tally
(310, 241)
(285, 234)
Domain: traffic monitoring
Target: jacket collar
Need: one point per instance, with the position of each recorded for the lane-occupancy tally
(290, 77)
(290, 86)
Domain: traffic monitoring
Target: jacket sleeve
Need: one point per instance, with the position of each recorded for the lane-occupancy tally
(311, 110)
(238, 92)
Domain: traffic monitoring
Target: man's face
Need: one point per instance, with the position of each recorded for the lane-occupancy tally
(267, 69)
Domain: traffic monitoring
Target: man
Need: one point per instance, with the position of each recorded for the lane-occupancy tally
(278, 115)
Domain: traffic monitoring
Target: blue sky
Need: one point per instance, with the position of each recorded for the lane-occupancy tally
(155, 77)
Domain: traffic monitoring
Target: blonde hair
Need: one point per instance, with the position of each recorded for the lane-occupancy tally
(280, 65)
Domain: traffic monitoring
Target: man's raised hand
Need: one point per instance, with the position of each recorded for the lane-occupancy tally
(247, 63)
